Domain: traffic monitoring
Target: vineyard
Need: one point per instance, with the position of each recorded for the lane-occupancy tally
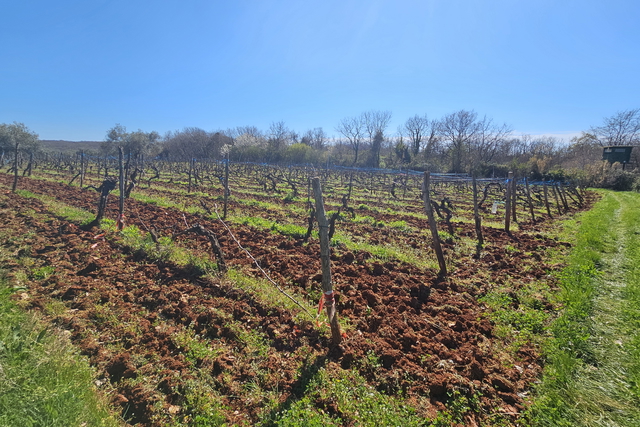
(198, 297)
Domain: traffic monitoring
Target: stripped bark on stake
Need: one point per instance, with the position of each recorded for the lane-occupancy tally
(327, 286)
(432, 224)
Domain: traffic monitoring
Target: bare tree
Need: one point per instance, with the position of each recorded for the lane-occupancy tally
(279, 135)
(375, 121)
(189, 143)
(582, 152)
(544, 146)
(375, 124)
(315, 138)
(251, 131)
(458, 129)
(623, 128)
(415, 129)
(488, 140)
(352, 128)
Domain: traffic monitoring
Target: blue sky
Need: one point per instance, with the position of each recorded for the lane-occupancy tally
(73, 69)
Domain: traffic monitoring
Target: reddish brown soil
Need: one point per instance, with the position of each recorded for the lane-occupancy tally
(430, 335)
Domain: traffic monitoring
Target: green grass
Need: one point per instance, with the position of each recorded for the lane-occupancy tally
(67, 212)
(417, 257)
(43, 381)
(291, 230)
(337, 397)
(591, 375)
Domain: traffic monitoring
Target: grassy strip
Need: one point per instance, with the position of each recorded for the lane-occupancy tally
(44, 382)
(586, 380)
(631, 294)
(358, 403)
(77, 215)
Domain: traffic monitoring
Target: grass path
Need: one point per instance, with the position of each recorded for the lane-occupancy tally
(593, 378)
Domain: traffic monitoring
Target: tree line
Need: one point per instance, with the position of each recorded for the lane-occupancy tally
(459, 142)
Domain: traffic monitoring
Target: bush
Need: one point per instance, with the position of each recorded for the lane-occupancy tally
(620, 180)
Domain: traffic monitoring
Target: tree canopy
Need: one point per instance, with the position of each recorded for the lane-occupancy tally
(20, 134)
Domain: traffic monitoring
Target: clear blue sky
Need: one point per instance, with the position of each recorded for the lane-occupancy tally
(72, 69)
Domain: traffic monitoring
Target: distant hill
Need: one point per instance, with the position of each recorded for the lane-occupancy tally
(70, 147)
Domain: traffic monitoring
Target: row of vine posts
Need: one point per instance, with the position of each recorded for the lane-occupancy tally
(201, 172)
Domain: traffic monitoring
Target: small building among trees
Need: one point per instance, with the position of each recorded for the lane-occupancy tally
(617, 154)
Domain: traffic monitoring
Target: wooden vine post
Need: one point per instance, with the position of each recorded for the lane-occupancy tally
(81, 168)
(432, 224)
(226, 187)
(190, 173)
(563, 197)
(120, 221)
(507, 204)
(477, 218)
(15, 169)
(514, 198)
(546, 200)
(529, 201)
(327, 286)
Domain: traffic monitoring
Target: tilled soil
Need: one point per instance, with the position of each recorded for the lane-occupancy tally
(430, 335)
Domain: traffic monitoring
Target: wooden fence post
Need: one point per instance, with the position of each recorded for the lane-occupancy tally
(325, 253)
(120, 221)
(555, 196)
(81, 168)
(526, 187)
(563, 197)
(190, 173)
(226, 187)
(15, 171)
(477, 218)
(432, 224)
(514, 199)
(507, 204)
(546, 200)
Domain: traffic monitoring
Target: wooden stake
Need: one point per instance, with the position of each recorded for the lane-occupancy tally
(477, 218)
(563, 197)
(15, 172)
(82, 169)
(507, 204)
(190, 173)
(432, 224)
(120, 221)
(546, 200)
(526, 188)
(514, 198)
(226, 187)
(555, 196)
(325, 254)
